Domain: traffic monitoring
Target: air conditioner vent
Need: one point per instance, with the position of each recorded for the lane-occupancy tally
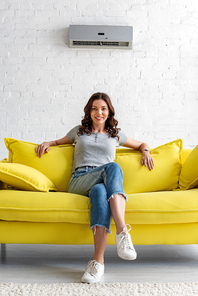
(100, 43)
(100, 36)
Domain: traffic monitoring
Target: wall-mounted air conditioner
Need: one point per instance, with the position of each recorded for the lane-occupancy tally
(100, 36)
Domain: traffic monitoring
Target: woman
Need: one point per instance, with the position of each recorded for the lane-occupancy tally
(96, 175)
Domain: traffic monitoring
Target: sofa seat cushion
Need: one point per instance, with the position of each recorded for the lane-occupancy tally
(163, 207)
(30, 206)
(142, 208)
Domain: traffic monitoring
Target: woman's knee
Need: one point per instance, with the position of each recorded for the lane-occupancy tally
(98, 193)
(115, 167)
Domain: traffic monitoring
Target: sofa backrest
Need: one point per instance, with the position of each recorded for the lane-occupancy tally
(57, 165)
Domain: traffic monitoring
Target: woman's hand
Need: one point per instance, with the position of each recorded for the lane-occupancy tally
(42, 148)
(45, 146)
(147, 160)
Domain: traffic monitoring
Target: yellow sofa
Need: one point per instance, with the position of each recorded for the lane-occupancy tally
(35, 207)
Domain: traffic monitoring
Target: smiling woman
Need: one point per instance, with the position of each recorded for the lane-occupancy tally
(99, 115)
(95, 174)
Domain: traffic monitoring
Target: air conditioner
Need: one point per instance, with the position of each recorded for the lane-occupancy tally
(100, 36)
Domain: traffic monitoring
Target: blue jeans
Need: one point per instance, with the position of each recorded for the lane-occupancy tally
(100, 184)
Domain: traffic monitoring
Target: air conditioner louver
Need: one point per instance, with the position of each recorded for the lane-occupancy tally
(99, 43)
(100, 36)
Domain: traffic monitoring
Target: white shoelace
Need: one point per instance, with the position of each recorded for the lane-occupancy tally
(126, 239)
(92, 267)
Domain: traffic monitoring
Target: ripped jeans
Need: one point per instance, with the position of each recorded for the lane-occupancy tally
(100, 184)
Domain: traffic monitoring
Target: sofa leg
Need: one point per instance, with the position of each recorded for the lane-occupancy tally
(3, 253)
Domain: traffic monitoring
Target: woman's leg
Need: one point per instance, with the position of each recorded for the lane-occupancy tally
(110, 174)
(117, 206)
(105, 187)
(100, 220)
(117, 201)
(100, 224)
(100, 241)
(124, 243)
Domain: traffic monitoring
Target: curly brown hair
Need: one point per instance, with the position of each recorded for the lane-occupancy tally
(110, 124)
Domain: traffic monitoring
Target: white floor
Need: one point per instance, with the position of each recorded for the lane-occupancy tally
(65, 264)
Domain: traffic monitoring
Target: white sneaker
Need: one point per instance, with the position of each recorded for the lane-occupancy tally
(93, 272)
(125, 246)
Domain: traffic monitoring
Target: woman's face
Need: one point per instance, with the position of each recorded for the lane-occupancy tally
(99, 112)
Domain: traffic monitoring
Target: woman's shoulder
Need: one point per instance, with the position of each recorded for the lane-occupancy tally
(120, 132)
(73, 133)
(122, 138)
(75, 129)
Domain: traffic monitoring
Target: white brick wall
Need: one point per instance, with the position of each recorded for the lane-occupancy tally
(44, 85)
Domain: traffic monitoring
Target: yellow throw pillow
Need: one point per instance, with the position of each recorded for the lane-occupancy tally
(56, 164)
(189, 172)
(164, 176)
(23, 177)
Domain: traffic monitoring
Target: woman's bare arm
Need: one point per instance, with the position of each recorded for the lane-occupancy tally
(144, 148)
(45, 146)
